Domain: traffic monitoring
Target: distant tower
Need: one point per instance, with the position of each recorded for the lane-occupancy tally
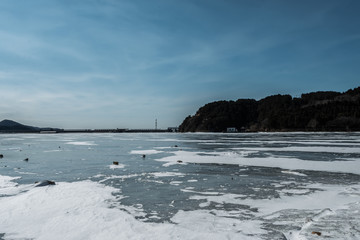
(155, 124)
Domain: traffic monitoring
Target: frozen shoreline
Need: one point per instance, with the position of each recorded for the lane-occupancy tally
(89, 210)
(273, 186)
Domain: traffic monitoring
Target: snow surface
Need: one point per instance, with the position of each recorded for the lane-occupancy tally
(113, 166)
(89, 210)
(149, 152)
(82, 143)
(81, 210)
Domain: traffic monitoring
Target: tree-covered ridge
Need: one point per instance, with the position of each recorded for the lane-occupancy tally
(317, 111)
(9, 126)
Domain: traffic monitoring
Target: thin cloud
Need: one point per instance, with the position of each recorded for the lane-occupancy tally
(111, 63)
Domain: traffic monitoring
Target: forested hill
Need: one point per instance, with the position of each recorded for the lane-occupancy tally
(317, 111)
(9, 126)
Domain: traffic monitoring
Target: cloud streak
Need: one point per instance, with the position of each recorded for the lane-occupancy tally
(111, 64)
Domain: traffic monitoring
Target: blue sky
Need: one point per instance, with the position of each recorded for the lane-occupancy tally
(124, 63)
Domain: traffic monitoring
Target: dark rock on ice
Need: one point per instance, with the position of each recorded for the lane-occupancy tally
(1, 156)
(44, 183)
(317, 233)
(26, 159)
(144, 156)
(116, 163)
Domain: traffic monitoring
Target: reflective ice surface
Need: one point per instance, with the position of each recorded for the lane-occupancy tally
(236, 186)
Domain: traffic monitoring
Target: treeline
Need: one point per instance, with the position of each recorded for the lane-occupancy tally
(317, 111)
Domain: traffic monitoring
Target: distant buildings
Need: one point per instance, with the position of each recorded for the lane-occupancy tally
(231, 130)
(173, 129)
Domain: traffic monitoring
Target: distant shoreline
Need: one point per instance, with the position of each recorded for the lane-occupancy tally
(90, 131)
(167, 131)
(57, 131)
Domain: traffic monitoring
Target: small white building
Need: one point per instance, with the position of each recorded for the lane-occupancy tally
(173, 129)
(231, 130)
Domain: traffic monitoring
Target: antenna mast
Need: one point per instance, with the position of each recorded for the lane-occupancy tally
(156, 124)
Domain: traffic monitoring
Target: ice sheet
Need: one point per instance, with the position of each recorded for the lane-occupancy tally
(294, 173)
(334, 211)
(149, 152)
(113, 166)
(286, 163)
(320, 149)
(203, 203)
(167, 174)
(84, 143)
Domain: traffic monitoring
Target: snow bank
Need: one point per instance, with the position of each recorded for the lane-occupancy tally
(81, 210)
(7, 186)
(6, 181)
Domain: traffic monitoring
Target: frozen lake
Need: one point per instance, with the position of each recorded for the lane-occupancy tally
(187, 186)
